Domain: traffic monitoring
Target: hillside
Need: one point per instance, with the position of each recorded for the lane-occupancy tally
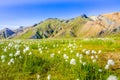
(81, 26)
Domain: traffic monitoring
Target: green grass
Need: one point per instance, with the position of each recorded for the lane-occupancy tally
(28, 34)
(47, 59)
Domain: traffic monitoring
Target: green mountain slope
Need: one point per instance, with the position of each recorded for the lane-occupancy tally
(82, 26)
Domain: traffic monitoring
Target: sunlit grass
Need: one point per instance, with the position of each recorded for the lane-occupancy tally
(59, 59)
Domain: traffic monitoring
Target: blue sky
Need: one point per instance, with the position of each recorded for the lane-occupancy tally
(14, 13)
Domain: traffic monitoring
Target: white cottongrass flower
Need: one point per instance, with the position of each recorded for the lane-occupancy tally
(100, 70)
(49, 77)
(10, 44)
(3, 60)
(30, 53)
(2, 57)
(64, 49)
(77, 54)
(26, 49)
(96, 56)
(38, 77)
(99, 51)
(93, 52)
(94, 60)
(80, 61)
(80, 56)
(10, 54)
(17, 53)
(110, 62)
(66, 60)
(5, 50)
(87, 52)
(83, 50)
(106, 66)
(92, 57)
(41, 52)
(40, 49)
(71, 51)
(52, 55)
(65, 56)
(11, 61)
(84, 63)
(20, 57)
(112, 77)
(73, 61)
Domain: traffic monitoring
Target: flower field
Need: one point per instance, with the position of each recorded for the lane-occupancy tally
(60, 59)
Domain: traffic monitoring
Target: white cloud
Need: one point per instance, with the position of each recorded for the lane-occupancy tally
(8, 26)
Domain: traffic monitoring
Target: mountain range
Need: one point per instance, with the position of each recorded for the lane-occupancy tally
(82, 26)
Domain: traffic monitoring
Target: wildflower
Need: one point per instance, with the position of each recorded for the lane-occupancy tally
(65, 56)
(110, 62)
(12, 60)
(84, 63)
(38, 77)
(9, 63)
(83, 50)
(66, 60)
(3, 60)
(49, 77)
(5, 50)
(10, 54)
(96, 56)
(17, 53)
(71, 51)
(107, 66)
(99, 51)
(80, 61)
(93, 52)
(40, 49)
(20, 57)
(77, 54)
(30, 53)
(87, 52)
(73, 61)
(40, 52)
(80, 56)
(2, 57)
(92, 57)
(100, 70)
(26, 49)
(52, 55)
(94, 60)
(112, 77)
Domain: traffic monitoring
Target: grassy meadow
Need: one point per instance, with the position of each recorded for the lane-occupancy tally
(60, 59)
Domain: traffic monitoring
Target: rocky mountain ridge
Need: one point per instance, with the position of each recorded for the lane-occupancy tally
(82, 26)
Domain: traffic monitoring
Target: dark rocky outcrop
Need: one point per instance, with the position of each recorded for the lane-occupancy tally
(5, 33)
